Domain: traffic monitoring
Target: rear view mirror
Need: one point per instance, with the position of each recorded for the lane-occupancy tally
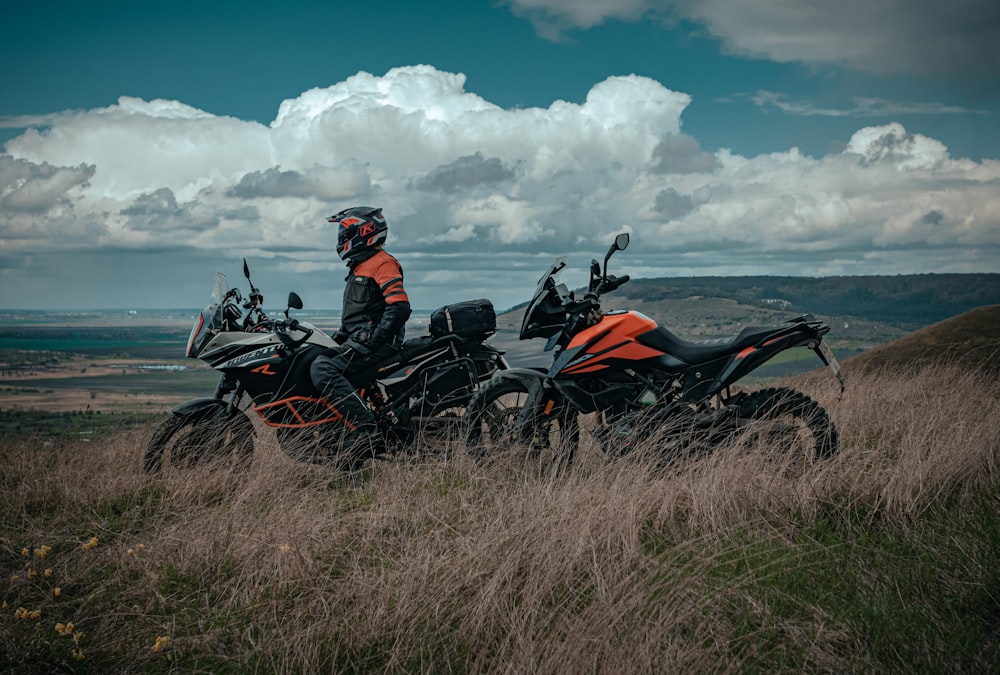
(294, 301)
(620, 244)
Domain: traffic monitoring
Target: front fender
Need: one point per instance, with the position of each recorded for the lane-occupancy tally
(198, 406)
(526, 376)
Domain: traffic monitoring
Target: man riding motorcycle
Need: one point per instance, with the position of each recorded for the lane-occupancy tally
(375, 310)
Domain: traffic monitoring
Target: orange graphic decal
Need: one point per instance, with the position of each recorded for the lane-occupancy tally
(264, 370)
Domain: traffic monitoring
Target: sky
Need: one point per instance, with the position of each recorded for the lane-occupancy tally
(145, 146)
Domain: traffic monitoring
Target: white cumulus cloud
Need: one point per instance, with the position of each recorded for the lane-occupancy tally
(484, 193)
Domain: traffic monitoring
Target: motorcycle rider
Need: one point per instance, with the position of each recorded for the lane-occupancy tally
(375, 310)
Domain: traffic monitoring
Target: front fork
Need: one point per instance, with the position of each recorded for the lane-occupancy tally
(533, 420)
(229, 386)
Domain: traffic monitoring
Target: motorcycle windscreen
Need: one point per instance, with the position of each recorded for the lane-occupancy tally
(545, 314)
(209, 322)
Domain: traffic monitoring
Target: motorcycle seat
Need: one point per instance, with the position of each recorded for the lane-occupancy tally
(414, 346)
(690, 352)
(705, 350)
(418, 345)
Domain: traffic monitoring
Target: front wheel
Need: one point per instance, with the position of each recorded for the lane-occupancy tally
(494, 425)
(199, 439)
(787, 421)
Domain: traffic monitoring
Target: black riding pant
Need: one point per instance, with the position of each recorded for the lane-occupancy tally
(330, 372)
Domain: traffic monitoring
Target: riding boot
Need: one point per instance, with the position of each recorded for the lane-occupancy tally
(360, 445)
(361, 438)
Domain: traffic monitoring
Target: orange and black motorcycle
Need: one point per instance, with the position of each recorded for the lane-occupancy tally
(649, 388)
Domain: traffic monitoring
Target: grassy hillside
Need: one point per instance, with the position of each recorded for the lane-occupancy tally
(971, 339)
(880, 560)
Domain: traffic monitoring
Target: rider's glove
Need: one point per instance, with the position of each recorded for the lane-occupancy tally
(362, 336)
(594, 316)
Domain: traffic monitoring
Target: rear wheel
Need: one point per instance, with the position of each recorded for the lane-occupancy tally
(787, 421)
(494, 426)
(200, 439)
(436, 432)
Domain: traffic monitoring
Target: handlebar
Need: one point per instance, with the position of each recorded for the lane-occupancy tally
(581, 314)
(282, 328)
(611, 283)
(606, 285)
(585, 312)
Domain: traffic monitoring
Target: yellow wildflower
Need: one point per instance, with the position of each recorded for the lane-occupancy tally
(32, 573)
(78, 654)
(4, 605)
(92, 543)
(57, 591)
(162, 642)
(65, 629)
(48, 571)
(43, 551)
(25, 552)
(285, 548)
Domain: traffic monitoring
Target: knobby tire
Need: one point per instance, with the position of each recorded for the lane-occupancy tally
(802, 412)
(491, 426)
(189, 441)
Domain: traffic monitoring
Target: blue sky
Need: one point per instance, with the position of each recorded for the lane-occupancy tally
(143, 147)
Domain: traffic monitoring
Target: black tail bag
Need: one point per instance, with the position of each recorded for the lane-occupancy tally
(470, 318)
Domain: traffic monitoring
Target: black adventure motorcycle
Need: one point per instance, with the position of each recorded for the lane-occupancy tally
(418, 396)
(649, 388)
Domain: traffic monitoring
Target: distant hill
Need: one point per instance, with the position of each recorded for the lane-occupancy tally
(971, 338)
(905, 301)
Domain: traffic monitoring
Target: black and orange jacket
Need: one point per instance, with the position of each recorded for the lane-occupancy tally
(376, 306)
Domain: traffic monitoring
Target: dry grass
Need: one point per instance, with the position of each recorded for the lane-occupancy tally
(730, 563)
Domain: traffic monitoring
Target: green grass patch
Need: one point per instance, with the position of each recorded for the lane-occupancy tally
(65, 425)
(199, 382)
(923, 598)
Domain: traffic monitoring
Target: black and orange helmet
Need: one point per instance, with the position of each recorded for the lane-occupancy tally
(361, 228)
